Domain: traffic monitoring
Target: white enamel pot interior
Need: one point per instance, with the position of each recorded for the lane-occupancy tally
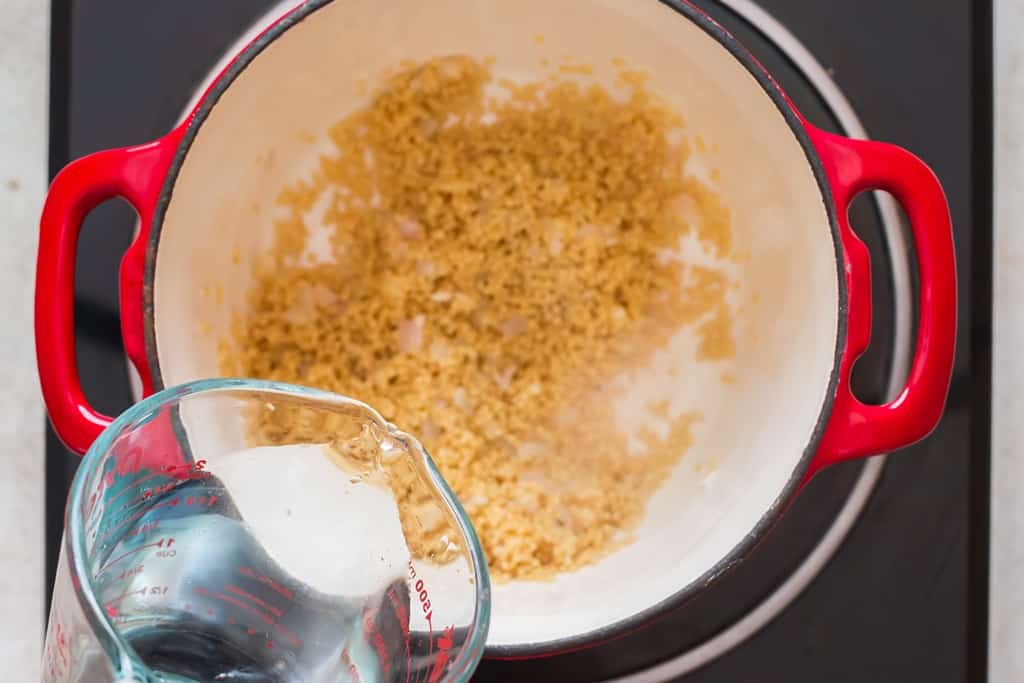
(206, 212)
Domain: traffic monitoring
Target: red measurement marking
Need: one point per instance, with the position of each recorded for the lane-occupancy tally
(62, 644)
(109, 563)
(266, 618)
(150, 590)
(124, 467)
(192, 470)
(231, 588)
(382, 653)
(444, 649)
(402, 614)
(132, 487)
(169, 504)
(109, 532)
(143, 529)
(129, 573)
(266, 580)
(247, 608)
(288, 635)
(148, 493)
(374, 638)
(353, 670)
(401, 611)
(56, 655)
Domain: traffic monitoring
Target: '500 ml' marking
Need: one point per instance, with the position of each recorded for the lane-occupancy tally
(424, 595)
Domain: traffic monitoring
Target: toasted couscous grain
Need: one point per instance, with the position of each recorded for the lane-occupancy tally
(498, 262)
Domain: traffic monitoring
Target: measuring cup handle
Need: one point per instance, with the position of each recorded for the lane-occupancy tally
(135, 174)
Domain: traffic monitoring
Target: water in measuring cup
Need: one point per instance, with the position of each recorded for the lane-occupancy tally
(333, 553)
(213, 581)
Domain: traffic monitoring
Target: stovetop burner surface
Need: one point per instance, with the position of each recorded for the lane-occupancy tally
(894, 603)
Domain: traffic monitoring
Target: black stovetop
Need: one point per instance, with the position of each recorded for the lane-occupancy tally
(905, 597)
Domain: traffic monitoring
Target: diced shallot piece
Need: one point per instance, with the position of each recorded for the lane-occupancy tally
(504, 378)
(462, 400)
(514, 326)
(408, 228)
(410, 334)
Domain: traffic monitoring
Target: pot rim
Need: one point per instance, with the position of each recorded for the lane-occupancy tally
(646, 617)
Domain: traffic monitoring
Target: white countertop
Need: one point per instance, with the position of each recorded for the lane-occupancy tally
(24, 26)
(1006, 638)
(24, 64)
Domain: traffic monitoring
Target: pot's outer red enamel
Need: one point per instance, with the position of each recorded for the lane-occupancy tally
(145, 176)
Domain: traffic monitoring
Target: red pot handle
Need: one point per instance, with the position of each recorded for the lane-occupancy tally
(135, 174)
(854, 429)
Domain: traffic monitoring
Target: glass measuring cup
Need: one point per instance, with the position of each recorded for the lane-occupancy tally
(256, 532)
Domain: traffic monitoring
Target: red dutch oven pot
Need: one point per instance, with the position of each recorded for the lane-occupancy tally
(202, 192)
